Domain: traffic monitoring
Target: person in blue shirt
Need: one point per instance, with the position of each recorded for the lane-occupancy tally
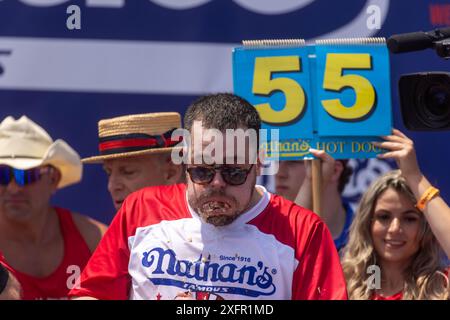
(294, 182)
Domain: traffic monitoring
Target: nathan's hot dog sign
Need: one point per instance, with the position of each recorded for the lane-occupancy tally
(334, 95)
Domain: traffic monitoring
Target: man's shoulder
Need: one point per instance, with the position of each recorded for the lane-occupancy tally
(164, 192)
(286, 220)
(285, 207)
(90, 229)
(290, 224)
(152, 205)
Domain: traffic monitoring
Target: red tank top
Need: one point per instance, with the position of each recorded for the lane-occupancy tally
(398, 295)
(59, 282)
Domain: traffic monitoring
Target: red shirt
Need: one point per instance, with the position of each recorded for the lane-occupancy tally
(397, 296)
(157, 246)
(60, 281)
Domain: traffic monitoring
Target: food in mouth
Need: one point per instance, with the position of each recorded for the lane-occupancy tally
(215, 207)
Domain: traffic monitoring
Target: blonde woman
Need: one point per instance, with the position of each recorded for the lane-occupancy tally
(400, 226)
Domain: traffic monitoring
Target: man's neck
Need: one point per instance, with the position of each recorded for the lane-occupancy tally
(36, 229)
(258, 193)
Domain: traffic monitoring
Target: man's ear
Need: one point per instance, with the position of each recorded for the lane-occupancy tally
(173, 173)
(55, 178)
(260, 160)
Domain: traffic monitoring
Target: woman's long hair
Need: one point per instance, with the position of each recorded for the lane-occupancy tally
(424, 278)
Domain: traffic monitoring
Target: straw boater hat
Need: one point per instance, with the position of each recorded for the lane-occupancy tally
(25, 145)
(135, 135)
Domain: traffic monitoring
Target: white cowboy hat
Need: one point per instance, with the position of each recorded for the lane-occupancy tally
(25, 145)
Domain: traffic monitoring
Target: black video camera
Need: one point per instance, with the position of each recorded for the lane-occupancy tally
(425, 101)
(424, 97)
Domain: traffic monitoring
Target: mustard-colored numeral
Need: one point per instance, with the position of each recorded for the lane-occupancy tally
(334, 80)
(264, 84)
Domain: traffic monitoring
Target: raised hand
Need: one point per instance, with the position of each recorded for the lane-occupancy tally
(401, 148)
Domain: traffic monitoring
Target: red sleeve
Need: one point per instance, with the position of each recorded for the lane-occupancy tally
(319, 274)
(106, 274)
(5, 264)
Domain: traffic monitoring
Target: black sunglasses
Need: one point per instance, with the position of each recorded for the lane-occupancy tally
(234, 176)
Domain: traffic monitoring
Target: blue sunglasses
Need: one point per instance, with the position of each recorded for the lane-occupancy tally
(22, 177)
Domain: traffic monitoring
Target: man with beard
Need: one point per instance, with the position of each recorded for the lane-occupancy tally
(219, 237)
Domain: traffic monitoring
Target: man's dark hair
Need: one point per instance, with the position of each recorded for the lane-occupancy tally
(222, 111)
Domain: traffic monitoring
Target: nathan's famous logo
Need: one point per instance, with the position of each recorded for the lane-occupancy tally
(207, 276)
(292, 147)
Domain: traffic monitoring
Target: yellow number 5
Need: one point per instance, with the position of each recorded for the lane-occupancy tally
(335, 81)
(263, 84)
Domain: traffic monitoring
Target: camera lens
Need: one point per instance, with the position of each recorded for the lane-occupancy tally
(433, 102)
(437, 100)
(425, 100)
